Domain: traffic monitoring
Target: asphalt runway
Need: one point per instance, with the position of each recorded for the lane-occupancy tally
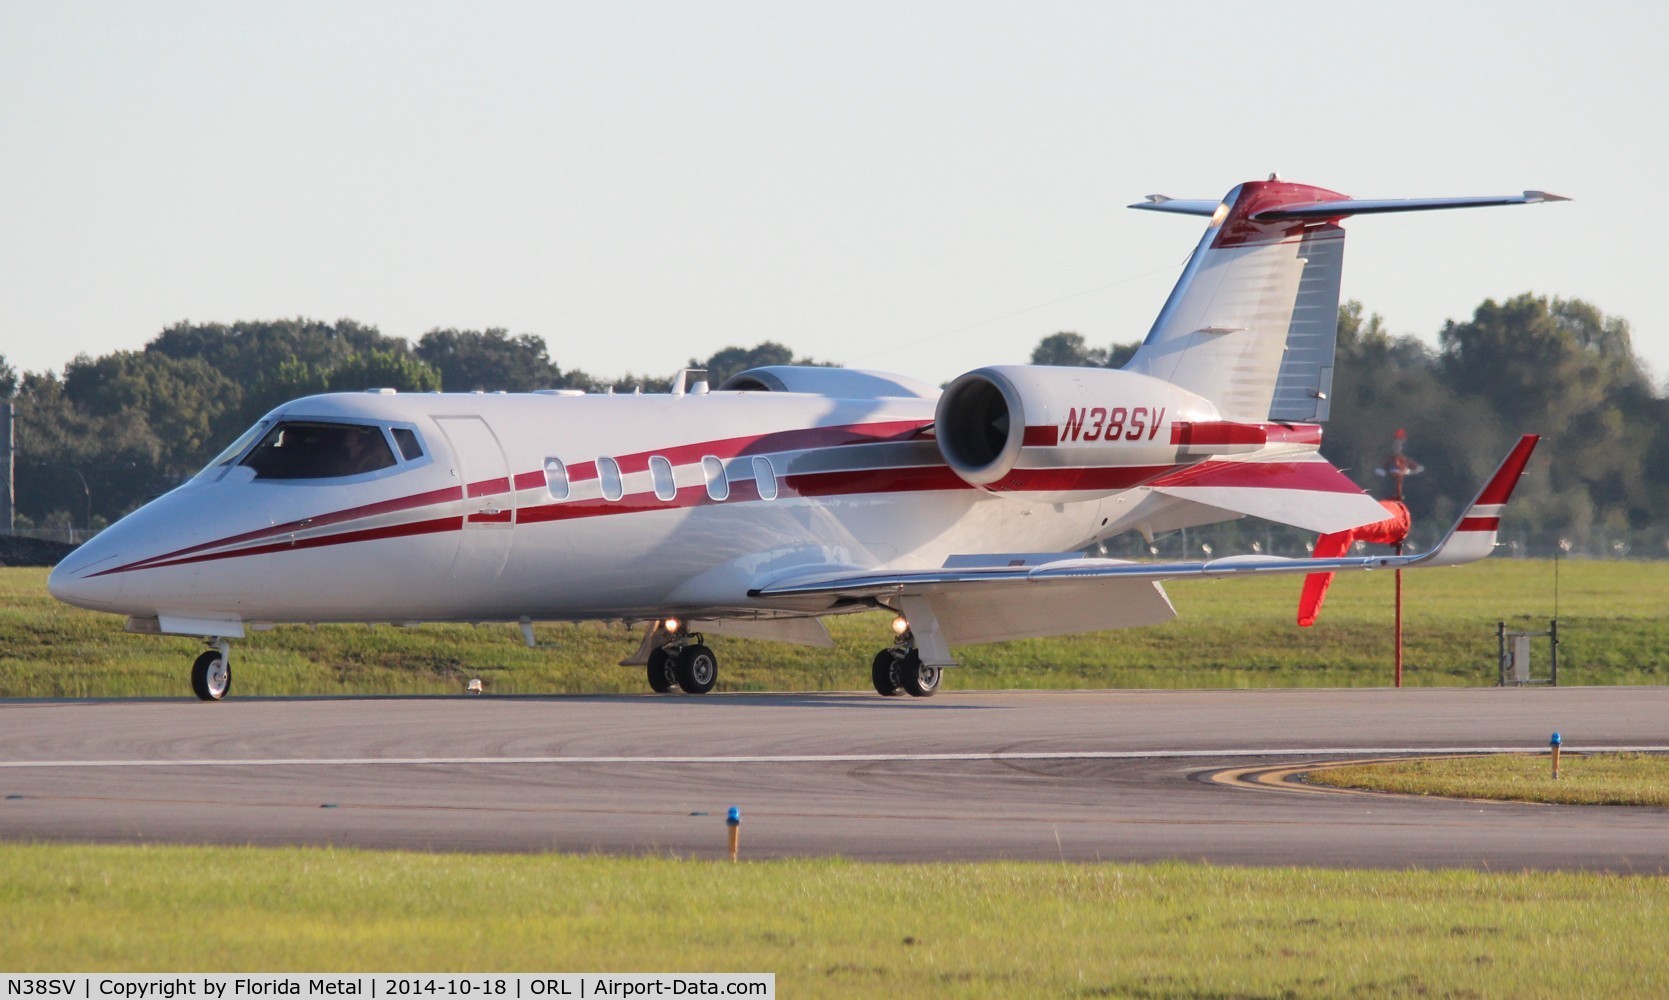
(1112, 775)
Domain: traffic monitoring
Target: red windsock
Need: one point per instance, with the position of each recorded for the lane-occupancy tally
(1390, 531)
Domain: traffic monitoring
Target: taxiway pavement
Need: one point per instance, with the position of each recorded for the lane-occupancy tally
(1082, 775)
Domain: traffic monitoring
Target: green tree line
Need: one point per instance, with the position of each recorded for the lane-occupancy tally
(112, 432)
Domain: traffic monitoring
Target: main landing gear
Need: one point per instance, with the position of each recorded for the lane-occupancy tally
(211, 675)
(898, 668)
(683, 660)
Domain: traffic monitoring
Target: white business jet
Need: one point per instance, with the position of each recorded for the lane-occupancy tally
(792, 493)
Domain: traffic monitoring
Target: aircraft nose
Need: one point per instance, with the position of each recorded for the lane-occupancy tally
(76, 579)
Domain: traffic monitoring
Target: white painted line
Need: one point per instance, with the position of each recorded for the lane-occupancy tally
(833, 758)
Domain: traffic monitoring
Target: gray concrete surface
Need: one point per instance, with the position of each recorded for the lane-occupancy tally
(1116, 775)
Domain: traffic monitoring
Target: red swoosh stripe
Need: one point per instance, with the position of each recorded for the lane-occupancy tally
(902, 479)
(395, 505)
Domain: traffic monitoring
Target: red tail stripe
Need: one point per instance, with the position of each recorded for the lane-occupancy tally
(1239, 227)
(1478, 524)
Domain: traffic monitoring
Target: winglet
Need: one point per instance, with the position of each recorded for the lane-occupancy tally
(1473, 536)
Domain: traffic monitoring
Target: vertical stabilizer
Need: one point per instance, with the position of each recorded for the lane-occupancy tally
(1253, 322)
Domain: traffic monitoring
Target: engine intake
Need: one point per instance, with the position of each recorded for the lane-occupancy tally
(978, 434)
(1064, 433)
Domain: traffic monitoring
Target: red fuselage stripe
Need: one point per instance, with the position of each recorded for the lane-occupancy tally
(413, 502)
(1313, 476)
(430, 527)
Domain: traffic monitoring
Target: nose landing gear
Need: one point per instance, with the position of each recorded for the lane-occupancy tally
(211, 675)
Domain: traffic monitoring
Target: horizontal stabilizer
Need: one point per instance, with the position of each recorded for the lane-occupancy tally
(1359, 206)
(1342, 208)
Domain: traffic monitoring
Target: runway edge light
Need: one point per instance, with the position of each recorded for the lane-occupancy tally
(733, 822)
(1553, 744)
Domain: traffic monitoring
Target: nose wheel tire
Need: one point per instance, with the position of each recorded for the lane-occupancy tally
(885, 674)
(696, 669)
(920, 681)
(211, 676)
(661, 676)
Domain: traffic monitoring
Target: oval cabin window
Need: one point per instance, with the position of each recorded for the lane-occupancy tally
(718, 487)
(765, 478)
(608, 477)
(556, 479)
(660, 474)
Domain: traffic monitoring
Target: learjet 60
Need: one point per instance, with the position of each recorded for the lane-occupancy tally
(789, 493)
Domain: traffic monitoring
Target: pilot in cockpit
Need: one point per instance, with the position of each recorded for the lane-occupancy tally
(361, 452)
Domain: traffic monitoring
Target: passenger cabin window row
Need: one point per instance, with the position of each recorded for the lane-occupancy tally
(611, 482)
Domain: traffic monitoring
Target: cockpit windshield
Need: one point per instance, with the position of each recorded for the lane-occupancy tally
(308, 449)
(232, 451)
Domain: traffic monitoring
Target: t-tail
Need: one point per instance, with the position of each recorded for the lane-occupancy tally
(1253, 321)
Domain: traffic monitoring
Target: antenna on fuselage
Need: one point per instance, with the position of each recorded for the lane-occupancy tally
(690, 381)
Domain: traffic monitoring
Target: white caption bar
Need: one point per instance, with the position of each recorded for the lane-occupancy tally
(382, 985)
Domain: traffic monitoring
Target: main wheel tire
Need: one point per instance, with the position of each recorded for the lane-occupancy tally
(211, 676)
(920, 681)
(661, 676)
(885, 673)
(697, 669)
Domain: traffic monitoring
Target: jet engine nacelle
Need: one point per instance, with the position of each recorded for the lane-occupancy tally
(1076, 433)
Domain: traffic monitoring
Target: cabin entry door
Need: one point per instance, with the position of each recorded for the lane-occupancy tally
(489, 523)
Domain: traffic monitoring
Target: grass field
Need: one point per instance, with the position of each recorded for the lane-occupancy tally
(1236, 633)
(1626, 779)
(833, 929)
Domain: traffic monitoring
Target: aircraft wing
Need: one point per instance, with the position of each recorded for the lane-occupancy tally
(986, 598)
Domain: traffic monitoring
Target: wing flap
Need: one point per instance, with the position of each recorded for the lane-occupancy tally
(1017, 609)
(1311, 495)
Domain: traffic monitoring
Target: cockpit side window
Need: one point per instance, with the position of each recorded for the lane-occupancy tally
(410, 448)
(306, 449)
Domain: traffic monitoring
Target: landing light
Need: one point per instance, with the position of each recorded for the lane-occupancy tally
(672, 625)
(900, 625)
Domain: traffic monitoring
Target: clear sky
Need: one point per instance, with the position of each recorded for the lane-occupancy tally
(918, 187)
